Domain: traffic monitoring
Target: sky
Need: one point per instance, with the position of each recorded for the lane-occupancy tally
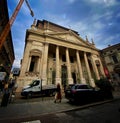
(98, 19)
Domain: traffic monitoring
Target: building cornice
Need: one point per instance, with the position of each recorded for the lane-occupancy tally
(34, 35)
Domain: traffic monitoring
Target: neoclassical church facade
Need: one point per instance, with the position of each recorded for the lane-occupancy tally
(57, 54)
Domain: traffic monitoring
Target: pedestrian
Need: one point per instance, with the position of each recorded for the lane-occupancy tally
(6, 95)
(15, 86)
(11, 84)
(58, 95)
(12, 97)
(2, 85)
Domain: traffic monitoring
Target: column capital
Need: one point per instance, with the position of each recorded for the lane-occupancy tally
(67, 48)
(45, 43)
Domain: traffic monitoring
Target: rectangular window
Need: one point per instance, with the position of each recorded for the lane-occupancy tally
(63, 58)
(71, 59)
(54, 55)
(114, 59)
(118, 49)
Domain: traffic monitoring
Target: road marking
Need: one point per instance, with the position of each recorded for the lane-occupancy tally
(35, 121)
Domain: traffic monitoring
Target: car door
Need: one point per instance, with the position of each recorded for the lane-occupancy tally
(91, 93)
(82, 93)
(36, 86)
(86, 93)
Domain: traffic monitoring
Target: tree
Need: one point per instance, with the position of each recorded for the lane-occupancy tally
(105, 87)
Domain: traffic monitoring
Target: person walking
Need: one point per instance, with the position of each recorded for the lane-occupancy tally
(2, 85)
(58, 95)
(6, 95)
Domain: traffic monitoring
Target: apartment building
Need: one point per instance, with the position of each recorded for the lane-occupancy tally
(111, 62)
(7, 51)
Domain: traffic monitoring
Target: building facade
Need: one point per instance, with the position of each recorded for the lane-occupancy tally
(57, 54)
(111, 62)
(7, 51)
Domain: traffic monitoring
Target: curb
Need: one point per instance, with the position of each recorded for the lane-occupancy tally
(61, 111)
(82, 106)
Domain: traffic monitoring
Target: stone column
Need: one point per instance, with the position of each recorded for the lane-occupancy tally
(101, 68)
(58, 79)
(45, 58)
(88, 71)
(70, 79)
(80, 68)
(95, 67)
(29, 61)
(25, 61)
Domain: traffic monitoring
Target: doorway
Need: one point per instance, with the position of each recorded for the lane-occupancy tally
(64, 75)
(74, 77)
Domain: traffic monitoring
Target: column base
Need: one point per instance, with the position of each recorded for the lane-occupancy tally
(92, 83)
(70, 80)
(44, 81)
(58, 80)
(83, 81)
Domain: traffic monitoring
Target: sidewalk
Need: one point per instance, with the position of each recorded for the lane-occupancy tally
(28, 109)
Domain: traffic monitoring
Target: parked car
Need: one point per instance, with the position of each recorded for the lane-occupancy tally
(83, 93)
(37, 88)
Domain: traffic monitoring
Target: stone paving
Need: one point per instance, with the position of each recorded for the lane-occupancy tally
(27, 109)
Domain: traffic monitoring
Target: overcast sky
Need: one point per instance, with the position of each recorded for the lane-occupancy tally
(98, 19)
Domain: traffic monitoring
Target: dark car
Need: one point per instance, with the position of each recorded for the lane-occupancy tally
(82, 93)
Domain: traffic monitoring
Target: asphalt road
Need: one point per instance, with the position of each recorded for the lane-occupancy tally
(33, 111)
(104, 113)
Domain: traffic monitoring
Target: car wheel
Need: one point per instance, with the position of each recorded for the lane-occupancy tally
(53, 93)
(71, 100)
(29, 95)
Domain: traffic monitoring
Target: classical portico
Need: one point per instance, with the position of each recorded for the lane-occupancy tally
(56, 54)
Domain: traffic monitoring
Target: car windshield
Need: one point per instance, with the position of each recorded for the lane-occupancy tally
(81, 87)
(34, 83)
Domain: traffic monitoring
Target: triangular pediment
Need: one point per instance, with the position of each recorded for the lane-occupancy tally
(70, 36)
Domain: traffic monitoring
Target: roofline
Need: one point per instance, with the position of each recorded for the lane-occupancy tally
(110, 47)
(57, 25)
